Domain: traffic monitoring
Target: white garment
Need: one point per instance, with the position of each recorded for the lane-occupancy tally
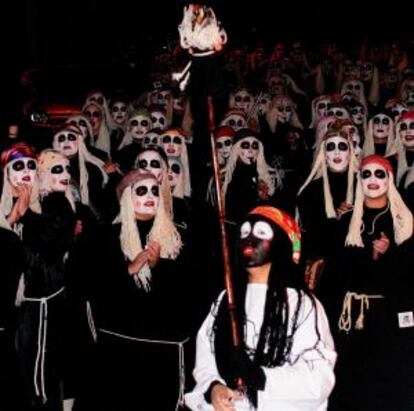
(303, 383)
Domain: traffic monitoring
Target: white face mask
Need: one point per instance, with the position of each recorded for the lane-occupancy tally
(337, 153)
(249, 150)
(159, 120)
(162, 98)
(151, 139)
(150, 162)
(95, 116)
(96, 98)
(243, 100)
(374, 180)
(119, 112)
(358, 115)
(263, 105)
(224, 145)
(145, 196)
(172, 144)
(284, 110)
(353, 133)
(338, 112)
(322, 108)
(59, 175)
(22, 171)
(139, 126)
(81, 123)
(407, 133)
(66, 142)
(174, 172)
(235, 121)
(381, 126)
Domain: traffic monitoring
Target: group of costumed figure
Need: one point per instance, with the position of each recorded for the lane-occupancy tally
(117, 237)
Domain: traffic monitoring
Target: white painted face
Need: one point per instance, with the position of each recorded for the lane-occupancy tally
(353, 133)
(83, 126)
(277, 86)
(224, 145)
(235, 121)
(95, 116)
(162, 98)
(249, 150)
(159, 120)
(381, 126)
(174, 171)
(139, 125)
(322, 108)
(59, 175)
(367, 71)
(337, 153)
(22, 171)
(407, 133)
(263, 104)
(96, 97)
(338, 112)
(151, 139)
(353, 88)
(66, 142)
(145, 196)
(150, 162)
(119, 112)
(398, 110)
(243, 100)
(374, 180)
(358, 115)
(172, 143)
(284, 109)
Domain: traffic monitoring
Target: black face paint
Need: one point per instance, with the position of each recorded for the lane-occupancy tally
(381, 174)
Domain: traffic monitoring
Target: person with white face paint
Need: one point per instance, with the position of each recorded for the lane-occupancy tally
(139, 299)
(152, 138)
(224, 139)
(372, 307)
(152, 160)
(119, 109)
(235, 119)
(248, 179)
(379, 138)
(158, 118)
(242, 100)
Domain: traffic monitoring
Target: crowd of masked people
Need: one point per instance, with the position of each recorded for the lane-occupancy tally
(110, 239)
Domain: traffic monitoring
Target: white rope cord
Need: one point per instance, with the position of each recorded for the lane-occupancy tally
(345, 320)
(41, 343)
(180, 344)
(91, 321)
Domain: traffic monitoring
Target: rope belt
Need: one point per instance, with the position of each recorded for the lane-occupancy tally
(41, 343)
(345, 320)
(180, 344)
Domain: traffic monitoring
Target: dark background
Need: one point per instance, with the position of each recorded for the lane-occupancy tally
(49, 32)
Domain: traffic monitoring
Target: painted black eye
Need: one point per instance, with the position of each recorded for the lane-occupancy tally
(377, 120)
(141, 191)
(238, 99)
(31, 165)
(321, 106)
(58, 169)
(142, 164)
(177, 140)
(115, 109)
(403, 127)
(175, 168)
(386, 121)
(366, 174)
(18, 165)
(155, 164)
(155, 190)
(61, 138)
(227, 143)
(144, 123)
(134, 123)
(239, 123)
(381, 174)
(71, 137)
(82, 123)
(343, 146)
(330, 146)
(232, 123)
(245, 145)
(166, 139)
(219, 145)
(255, 145)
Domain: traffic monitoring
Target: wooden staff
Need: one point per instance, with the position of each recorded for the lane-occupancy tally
(228, 279)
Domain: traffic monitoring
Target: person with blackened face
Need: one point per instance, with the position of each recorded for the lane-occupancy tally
(286, 355)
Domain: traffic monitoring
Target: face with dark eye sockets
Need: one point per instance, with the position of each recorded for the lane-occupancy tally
(22, 171)
(256, 237)
(407, 133)
(172, 143)
(119, 112)
(159, 120)
(224, 145)
(82, 124)
(381, 126)
(243, 100)
(249, 150)
(146, 197)
(374, 180)
(235, 121)
(59, 175)
(95, 116)
(337, 153)
(139, 126)
(150, 162)
(174, 171)
(66, 142)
